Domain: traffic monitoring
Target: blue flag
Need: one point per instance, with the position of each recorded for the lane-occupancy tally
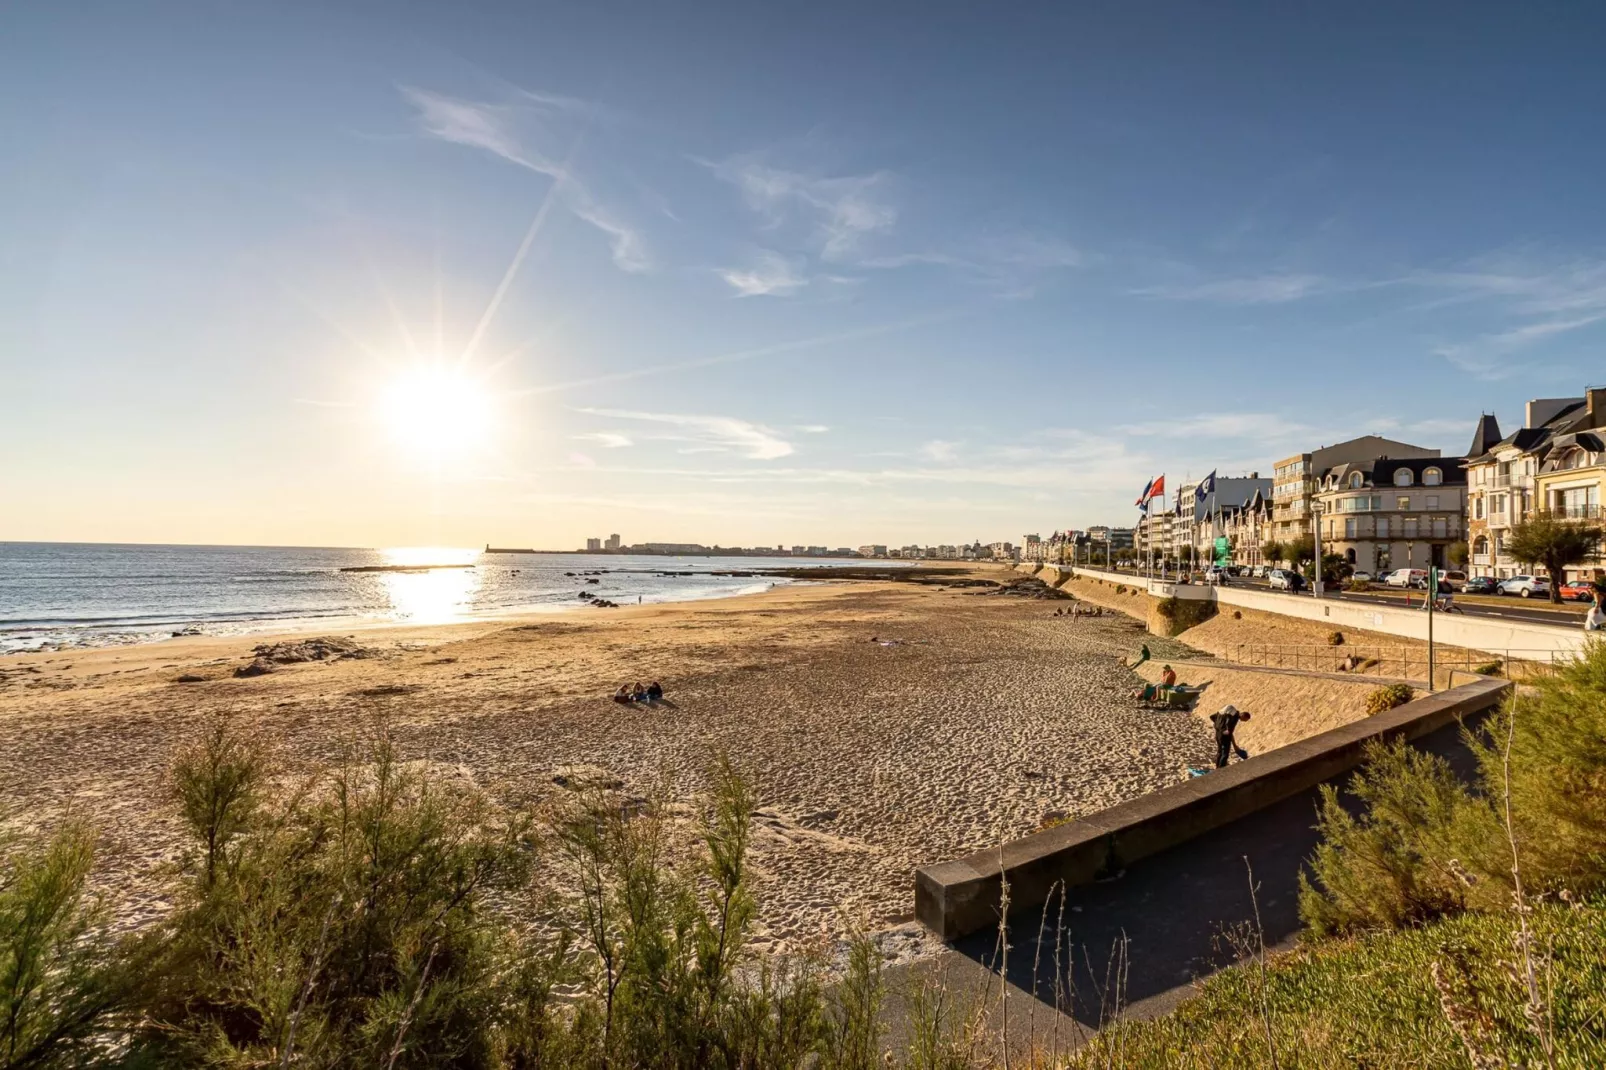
(1206, 487)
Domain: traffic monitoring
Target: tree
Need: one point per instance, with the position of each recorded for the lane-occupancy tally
(1271, 552)
(1300, 550)
(1554, 542)
(1456, 553)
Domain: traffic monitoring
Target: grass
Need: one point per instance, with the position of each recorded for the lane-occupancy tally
(1417, 998)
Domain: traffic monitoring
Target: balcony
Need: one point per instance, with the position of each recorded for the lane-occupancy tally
(1577, 512)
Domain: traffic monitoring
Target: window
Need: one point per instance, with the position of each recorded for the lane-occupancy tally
(1377, 502)
(1477, 508)
(1433, 501)
(1349, 528)
(1410, 527)
(1441, 527)
(1356, 479)
(1432, 477)
(1402, 478)
(1402, 504)
(1480, 545)
(1382, 527)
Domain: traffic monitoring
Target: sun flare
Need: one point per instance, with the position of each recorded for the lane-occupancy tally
(436, 411)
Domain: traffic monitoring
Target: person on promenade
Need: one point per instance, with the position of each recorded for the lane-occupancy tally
(1226, 721)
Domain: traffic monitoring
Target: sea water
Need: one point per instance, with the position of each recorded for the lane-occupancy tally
(56, 595)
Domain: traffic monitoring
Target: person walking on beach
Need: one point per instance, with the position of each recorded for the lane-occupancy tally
(1226, 722)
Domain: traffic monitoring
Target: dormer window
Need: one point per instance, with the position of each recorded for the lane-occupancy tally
(1402, 478)
(1356, 479)
(1433, 477)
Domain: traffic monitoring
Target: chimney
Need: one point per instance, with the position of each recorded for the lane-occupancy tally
(1595, 402)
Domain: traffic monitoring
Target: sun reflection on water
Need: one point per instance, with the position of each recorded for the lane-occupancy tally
(433, 596)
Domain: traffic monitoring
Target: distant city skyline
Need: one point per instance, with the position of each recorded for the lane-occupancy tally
(305, 275)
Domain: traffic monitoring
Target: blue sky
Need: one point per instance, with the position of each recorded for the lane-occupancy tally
(823, 274)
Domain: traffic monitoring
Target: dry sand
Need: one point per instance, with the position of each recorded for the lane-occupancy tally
(986, 716)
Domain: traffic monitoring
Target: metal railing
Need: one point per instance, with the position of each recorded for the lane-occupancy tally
(1401, 662)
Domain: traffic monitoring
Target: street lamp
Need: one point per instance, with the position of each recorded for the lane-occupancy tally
(1316, 516)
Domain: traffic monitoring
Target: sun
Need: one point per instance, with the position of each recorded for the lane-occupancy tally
(436, 411)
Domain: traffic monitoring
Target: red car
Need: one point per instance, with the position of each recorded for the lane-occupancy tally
(1577, 592)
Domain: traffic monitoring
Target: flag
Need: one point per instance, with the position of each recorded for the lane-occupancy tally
(1157, 488)
(1144, 495)
(1206, 487)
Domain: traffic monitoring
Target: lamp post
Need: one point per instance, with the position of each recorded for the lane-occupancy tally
(1316, 517)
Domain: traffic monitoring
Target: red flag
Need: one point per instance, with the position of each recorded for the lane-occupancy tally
(1157, 488)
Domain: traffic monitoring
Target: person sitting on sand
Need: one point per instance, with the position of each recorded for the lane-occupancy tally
(655, 691)
(1168, 677)
(1226, 723)
(623, 694)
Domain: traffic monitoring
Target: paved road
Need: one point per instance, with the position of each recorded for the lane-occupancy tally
(1509, 608)
(1159, 926)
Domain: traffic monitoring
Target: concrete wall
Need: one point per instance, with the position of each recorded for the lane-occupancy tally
(964, 896)
(1524, 640)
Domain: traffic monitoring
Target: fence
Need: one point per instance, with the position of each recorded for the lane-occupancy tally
(1402, 662)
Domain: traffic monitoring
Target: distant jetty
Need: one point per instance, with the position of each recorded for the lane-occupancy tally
(511, 550)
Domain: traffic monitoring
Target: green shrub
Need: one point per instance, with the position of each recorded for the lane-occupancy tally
(1357, 585)
(1387, 698)
(1544, 755)
(1237, 614)
(1490, 668)
(1335, 639)
(1390, 866)
(62, 979)
(1557, 735)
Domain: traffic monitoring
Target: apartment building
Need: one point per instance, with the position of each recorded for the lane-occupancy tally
(1504, 477)
(1200, 521)
(1388, 513)
(1572, 479)
(1248, 527)
(1295, 479)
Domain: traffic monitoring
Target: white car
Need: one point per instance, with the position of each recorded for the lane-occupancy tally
(1362, 575)
(1282, 579)
(1527, 586)
(1407, 577)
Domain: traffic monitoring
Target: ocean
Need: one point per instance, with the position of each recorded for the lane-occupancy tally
(62, 595)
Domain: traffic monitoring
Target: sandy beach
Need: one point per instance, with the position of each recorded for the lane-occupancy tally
(970, 719)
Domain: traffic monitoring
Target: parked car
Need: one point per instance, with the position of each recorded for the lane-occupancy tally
(1480, 585)
(1362, 575)
(1577, 592)
(1407, 577)
(1452, 580)
(1526, 586)
(1282, 579)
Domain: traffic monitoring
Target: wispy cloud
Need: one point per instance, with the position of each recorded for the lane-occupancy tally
(513, 131)
(940, 450)
(710, 434)
(812, 429)
(840, 211)
(1249, 425)
(770, 275)
(1252, 290)
(608, 440)
(1551, 298)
